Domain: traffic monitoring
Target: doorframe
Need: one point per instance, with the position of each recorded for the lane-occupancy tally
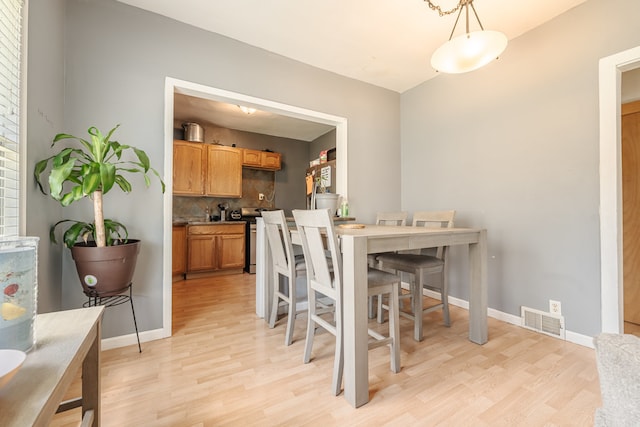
(611, 277)
(172, 86)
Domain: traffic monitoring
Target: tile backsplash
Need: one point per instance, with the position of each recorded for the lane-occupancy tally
(254, 182)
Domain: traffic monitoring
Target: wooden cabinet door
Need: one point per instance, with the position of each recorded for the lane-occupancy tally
(270, 160)
(631, 210)
(179, 250)
(224, 173)
(189, 166)
(202, 253)
(251, 158)
(231, 251)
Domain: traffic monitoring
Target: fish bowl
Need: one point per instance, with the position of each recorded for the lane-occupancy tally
(19, 286)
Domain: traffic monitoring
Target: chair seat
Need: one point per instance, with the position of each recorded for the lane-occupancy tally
(378, 278)
(301, 267)
(409, 261)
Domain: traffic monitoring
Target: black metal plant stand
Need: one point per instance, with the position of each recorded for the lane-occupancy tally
(111, 301)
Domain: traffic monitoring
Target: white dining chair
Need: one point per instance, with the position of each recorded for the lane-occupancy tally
(318, 238)
(428, 268)
(285, 264)
(384, 218)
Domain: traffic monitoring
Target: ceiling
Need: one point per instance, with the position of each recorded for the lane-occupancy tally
(202, 110)
(387, 43)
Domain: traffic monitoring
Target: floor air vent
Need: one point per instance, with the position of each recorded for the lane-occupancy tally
(540, 321)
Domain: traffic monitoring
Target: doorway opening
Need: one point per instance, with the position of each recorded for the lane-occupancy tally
(611, 275)
(173, 86)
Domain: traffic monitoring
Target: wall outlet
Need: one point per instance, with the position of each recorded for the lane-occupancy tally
(555, 307)
(261, 196)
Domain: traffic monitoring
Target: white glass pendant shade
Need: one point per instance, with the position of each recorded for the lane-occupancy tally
(469, 51)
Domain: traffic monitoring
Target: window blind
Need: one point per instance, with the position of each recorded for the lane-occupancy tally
(10, 58)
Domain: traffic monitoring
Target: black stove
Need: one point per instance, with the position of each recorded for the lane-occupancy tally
(249, 215)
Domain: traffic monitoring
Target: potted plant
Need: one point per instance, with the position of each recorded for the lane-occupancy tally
(105, 256)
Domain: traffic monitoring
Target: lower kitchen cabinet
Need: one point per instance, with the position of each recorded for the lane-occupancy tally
(179, 251)
(215, 248)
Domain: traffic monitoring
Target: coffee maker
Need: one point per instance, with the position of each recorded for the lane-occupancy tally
(223, 211)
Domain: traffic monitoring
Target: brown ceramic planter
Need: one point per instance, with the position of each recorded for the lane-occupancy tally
(105, 271)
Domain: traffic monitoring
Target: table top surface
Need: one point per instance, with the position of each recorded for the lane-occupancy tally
(399, 230)
(62, 340)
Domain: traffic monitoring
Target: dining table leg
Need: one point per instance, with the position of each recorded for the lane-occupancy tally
(478, 290)
(354, 294)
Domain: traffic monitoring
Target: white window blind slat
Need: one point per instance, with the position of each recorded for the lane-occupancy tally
(10, 62)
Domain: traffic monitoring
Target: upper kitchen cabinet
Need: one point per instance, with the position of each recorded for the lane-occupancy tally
(224, 171)
(206, 170)
(257, 159)
(189, 168)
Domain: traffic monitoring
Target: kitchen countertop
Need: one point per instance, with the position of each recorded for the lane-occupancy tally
(179, 222)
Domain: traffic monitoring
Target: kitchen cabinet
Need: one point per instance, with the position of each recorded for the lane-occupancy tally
(257, 159)
(215, 248)
(224, 171)
(179, 251)
(189, 167)
(206, 170)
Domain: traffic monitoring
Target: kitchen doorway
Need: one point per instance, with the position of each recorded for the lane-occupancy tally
(173, 86)
(611, 274)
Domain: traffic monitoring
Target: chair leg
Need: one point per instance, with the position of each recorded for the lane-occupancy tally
(394, 328)
(288, 337)
(311, 326)
(135, 324)
(338, 362)
(276, 301)
(380, 313)
(416, 305)
(444, 296)
(371, 306)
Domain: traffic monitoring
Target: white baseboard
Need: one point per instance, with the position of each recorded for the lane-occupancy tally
(130, 339)
(573, 337)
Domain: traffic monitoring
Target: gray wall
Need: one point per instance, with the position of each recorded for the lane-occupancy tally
(323, 142)
(514, 148)
(45, 103)
(116, 61)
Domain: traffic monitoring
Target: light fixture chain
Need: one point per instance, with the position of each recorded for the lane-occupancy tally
(448, 12)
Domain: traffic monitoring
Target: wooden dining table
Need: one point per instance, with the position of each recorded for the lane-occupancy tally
(355, 245)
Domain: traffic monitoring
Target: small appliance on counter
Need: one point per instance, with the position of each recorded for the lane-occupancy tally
(235, 215)
(223, 211)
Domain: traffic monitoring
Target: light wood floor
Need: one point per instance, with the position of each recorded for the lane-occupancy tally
(224, 367)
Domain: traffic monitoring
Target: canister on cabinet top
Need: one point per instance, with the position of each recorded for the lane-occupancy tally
(193, 132)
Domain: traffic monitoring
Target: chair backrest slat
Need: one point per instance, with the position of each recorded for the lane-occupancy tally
(318, 238)
(279, 240)
(391, 218)
(435, 219)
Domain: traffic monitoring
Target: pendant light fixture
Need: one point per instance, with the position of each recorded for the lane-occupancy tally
(468, 51)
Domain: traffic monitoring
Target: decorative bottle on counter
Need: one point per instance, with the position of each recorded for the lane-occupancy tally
(344, 209)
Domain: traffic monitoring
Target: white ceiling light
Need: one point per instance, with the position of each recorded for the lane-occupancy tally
(468, 51)
(247, 110)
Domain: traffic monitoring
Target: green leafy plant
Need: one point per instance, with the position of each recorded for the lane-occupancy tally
(91, 169)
